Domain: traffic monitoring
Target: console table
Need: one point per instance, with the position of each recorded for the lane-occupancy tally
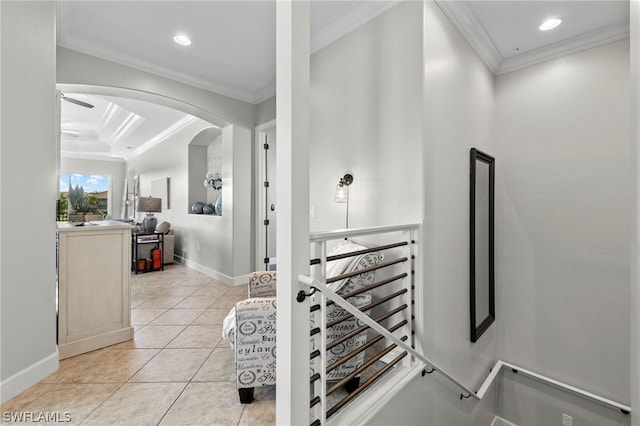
(146, 239)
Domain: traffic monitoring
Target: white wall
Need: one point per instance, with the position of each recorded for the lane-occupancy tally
(80, 69)
(561, 140)
(266, 111)
(216, 245)
(563, 214)
(366, 120)
(116, 169)
(28, 351)
(457, 116)
(209, 255)
(635, 208)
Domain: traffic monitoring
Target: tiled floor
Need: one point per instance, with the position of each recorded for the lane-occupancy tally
(177, 370)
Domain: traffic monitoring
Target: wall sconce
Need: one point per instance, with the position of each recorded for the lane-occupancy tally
(342, 194)
(149, 205)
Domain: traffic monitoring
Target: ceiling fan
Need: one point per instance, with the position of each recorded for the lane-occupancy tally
(76, 101)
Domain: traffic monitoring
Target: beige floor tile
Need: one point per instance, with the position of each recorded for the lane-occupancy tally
(172, 365)
(145, 316)
(198, 336)
(219, 367)
(176, 290)
(198, 280)
(138, 300)
(239, 290)
(206, 404)
(196, 302)
(161, 302)
(70, 403)
(212, 316)
(215, 288)
(152, 336)
(137, 404)
(262, 411)
(71, 370)
(116, 365)
(178, 317)
(136, 382)
(228, 301)
(20, 401)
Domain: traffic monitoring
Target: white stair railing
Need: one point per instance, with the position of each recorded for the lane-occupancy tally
(403, 340)
(389, 297)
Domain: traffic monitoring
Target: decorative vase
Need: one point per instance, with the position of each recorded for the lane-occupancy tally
(197, 207)
(208, 209)
(149, 223)
(218, 205)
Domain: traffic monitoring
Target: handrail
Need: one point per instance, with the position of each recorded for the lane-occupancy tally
(497, 368)
(337, 299)
(354, 232)
(502, 364)
(331, 295)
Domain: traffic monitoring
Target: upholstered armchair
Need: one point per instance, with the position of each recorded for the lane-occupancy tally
(169, 241)
(251, 328)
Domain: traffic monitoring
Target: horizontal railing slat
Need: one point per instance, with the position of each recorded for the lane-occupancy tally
(365, 385)
(367, 307)
(366, 288)
(364, 347)
(359, 252)
(365, 327)
(360, 369)
(365, 270)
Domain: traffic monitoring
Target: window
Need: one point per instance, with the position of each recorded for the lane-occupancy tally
(82, 194)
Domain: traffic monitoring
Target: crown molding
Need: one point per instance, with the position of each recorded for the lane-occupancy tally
(354, 18)
(165, 134)
(74, 43)
(465, 20)
(599, 37)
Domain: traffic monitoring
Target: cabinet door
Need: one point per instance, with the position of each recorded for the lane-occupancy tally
(94, 293)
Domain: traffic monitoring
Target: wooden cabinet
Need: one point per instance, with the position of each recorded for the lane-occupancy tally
(94, 308)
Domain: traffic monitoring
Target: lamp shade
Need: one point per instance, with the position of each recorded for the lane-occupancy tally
(342, 193)
(150, 204)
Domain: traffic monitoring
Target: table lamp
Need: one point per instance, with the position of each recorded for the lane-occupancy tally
(149, 205)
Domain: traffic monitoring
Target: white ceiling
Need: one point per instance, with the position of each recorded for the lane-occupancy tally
(115, 128)
(505, 34)
(233, 49)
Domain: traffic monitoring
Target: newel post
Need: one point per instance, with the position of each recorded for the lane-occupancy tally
(292, 238)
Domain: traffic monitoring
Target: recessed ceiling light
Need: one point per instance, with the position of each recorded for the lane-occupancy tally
(550, 24)
(182, 40)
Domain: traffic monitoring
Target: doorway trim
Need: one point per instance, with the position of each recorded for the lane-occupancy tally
(261, 131)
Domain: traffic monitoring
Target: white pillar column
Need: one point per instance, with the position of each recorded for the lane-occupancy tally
(292, 179)
(635, 234)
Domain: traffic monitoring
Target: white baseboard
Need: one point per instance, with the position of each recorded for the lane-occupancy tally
(499, 421)
(81, 346)
(27, 377)
(228, 280)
